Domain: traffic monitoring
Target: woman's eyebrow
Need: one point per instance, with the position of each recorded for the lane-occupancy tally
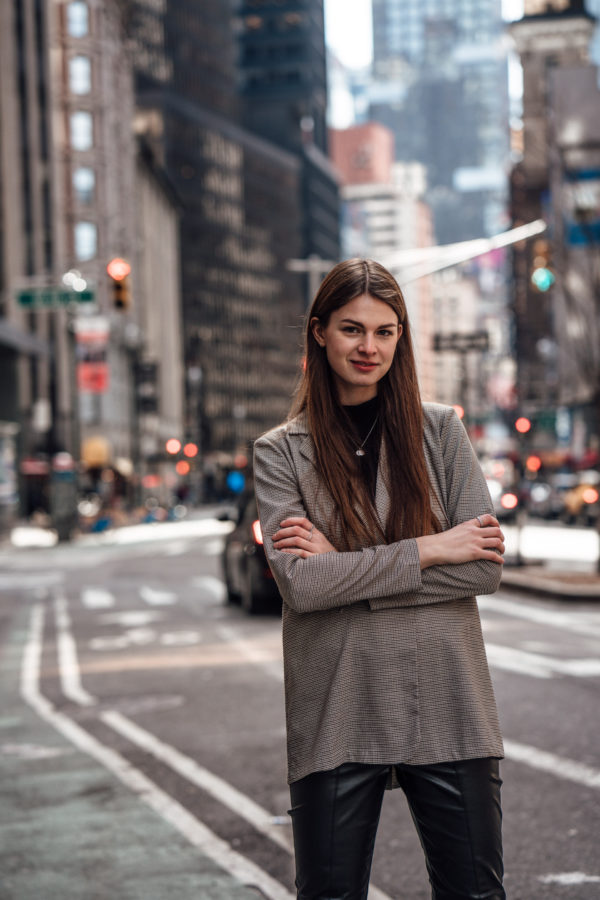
(360, 324)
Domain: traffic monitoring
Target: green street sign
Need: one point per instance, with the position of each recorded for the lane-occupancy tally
(52, 297)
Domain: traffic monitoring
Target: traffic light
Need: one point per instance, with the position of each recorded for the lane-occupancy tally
(118, 270)
(523, 424)
(542, 276)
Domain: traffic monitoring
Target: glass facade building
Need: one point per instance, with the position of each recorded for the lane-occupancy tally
(441, 86)
(283, 94)
(242, 218)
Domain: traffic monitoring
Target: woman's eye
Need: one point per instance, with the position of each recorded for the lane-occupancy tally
(385, 332)
(350, 329)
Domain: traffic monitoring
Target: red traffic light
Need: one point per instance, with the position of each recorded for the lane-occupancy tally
(523, 425)
(173, 446)
(118, 269)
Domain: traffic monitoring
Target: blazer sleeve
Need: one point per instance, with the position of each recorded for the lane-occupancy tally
(326, 580)
(467, 496)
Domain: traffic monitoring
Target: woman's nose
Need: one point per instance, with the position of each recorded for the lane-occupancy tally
(367, 344)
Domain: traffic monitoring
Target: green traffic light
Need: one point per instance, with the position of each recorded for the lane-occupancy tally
(543, 279)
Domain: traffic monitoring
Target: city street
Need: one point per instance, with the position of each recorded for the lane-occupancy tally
(142, 744)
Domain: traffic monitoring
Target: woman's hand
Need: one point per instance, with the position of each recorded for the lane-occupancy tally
(299, 536)
(479, 538)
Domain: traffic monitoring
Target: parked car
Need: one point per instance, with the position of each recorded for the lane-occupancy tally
(506, 500)
(248, 578)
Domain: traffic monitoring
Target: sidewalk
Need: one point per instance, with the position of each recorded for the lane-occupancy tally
(70, 829)
(560, 583)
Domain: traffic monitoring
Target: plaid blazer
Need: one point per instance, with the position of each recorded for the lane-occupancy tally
(384, 663)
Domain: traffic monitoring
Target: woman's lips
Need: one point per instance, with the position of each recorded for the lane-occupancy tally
(363, 366)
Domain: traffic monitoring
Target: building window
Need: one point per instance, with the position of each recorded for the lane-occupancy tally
(254, 23)
(85, 239)
(77, 19)
(84, 182)
(80, 75)
(82, 137)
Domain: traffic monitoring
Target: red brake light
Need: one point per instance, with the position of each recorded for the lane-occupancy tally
(509, 501)
(256, 532)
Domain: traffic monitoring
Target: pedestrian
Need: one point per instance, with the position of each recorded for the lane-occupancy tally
(380, 532)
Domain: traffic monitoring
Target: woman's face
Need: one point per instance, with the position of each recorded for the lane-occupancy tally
(360, 341)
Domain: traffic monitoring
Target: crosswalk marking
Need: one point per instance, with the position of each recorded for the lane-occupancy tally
(97, 598)
(537, 665)
(580, 624)
(157, 598)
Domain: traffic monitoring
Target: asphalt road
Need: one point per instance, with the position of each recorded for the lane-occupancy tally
(142, 746)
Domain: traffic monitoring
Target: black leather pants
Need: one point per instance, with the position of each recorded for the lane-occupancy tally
(455, 807)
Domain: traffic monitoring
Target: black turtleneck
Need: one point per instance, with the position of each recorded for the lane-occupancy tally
(361, 419)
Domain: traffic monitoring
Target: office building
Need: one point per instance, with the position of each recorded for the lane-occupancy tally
(241, 220)
(440, 84)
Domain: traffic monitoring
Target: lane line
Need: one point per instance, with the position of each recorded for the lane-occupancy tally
(186, 767)
(582, 624)
(191, 828)
(97, 598)
(559, 766)
(189, 769)
(569, 878)
(68, 665)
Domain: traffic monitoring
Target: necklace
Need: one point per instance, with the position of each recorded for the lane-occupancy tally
(359, 451)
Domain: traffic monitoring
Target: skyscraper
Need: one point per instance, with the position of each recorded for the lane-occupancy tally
(441, 86)
(243, 216)
(283, 88)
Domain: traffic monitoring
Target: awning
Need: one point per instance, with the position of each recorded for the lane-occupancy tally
(22, 341)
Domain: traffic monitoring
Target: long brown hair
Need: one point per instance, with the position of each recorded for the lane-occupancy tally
(401, 413)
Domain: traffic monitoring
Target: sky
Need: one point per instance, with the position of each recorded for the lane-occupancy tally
(350, 35)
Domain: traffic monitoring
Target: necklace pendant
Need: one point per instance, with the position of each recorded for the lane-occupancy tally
(360, 452)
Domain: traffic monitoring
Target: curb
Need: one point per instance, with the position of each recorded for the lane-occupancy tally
(558, 585)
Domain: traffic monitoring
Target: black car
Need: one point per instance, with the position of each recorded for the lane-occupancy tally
(248, 578)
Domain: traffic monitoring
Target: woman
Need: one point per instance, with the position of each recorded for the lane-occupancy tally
(379, 530)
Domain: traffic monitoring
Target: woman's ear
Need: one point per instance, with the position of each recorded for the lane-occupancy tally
(317, 330)
(400, 330)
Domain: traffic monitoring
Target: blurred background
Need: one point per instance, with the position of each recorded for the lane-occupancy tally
(175, 179)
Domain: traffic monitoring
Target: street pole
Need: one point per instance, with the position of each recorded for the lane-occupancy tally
(315, 268)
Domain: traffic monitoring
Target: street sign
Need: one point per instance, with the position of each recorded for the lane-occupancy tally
(462, 342)
(52, 297)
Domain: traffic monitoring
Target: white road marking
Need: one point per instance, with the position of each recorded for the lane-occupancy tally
(191, 828)
(29, 580)
(133, 637)
(559, 766)
(180, 638)
(246, 648)
(68, 665)
(221, 790)
(132, 618)
(569, 878)
(579, 624)
(157, 598)
(210, 585)
(33, 751)
(538, 665)
(97, 598)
